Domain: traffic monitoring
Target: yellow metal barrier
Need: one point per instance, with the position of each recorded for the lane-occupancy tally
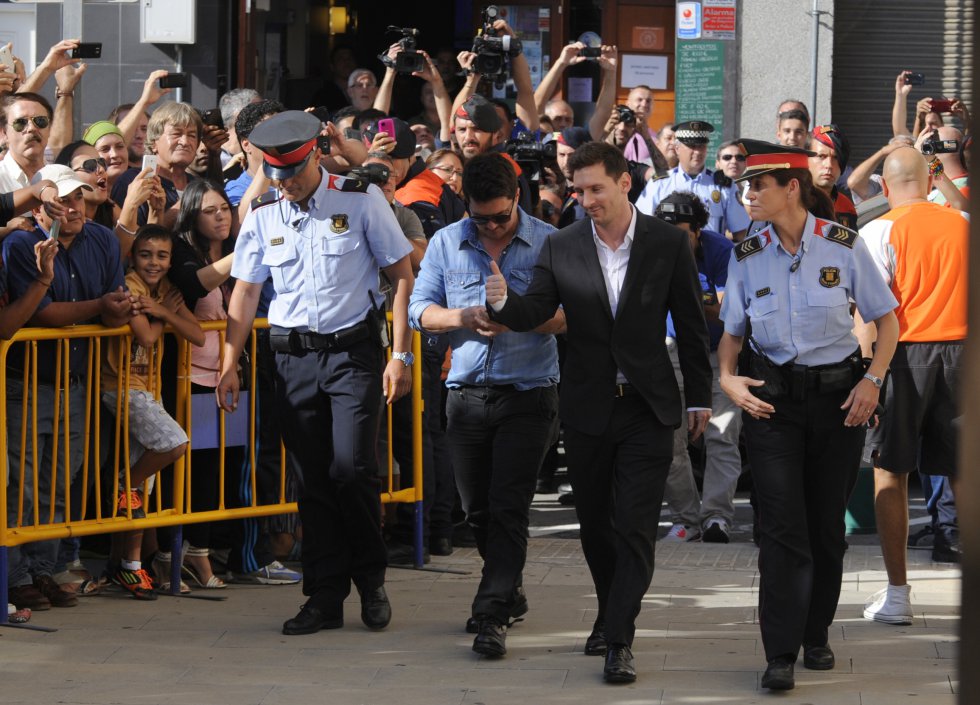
(28, 469)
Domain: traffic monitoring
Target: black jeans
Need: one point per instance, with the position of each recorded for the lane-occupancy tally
(498, 438)
(804, 461)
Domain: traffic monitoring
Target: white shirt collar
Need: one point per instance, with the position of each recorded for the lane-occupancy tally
(630, 231)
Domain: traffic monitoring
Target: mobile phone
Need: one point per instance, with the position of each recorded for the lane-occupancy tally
(174, 80)
(212, 117)
(387, 125)
(941, 105)
(150, 162)
(7, 57)
(87, 50)
(915, 79)
(323, 143)
(55, 229)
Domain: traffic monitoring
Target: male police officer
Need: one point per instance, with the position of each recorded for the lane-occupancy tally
(715, 190)
(323, 242)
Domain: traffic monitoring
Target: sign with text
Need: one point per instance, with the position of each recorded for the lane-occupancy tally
(718, 20)
(699, 85)
(644, 70)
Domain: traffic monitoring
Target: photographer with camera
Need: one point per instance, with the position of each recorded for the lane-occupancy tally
(558, 110)
(403, 58)
(941, 148)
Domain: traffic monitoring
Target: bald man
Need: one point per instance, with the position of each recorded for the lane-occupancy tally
(560, 113)
(920, 248)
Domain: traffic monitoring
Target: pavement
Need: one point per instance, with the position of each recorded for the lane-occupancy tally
(697, 639)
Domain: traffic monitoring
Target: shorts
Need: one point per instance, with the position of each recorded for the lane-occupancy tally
(150, 426)
(918, 430)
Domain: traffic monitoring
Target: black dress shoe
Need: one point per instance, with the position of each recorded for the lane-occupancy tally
(818, 658)
(779, 674)
(441, 547)
(518, 608)
(595, 645)
(619, 664)
(312, 619)
(490, 637)
(375, 608)
(404, 554)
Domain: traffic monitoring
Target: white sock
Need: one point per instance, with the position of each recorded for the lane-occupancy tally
(131, 565)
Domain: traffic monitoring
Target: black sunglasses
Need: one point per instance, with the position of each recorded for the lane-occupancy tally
(91, 165)
(736, 157)
(40, 122)
(499, 219)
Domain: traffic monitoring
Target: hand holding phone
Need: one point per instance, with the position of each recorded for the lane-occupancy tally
(915, 79)
(941, 105)
(150, 162)
(87, 50)
(174, 80)
(7, 56)
(213, 118)
(387, 125)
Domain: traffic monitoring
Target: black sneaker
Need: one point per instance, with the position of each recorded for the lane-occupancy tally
(923, 538)
(490, 638)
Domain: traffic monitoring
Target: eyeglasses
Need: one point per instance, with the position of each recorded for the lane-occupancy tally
(736, 157)
(498, 219)
(40, 122)
(91, 165)
(447, 169)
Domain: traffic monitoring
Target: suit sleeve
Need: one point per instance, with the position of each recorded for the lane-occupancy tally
(539, 303)
(684, 302)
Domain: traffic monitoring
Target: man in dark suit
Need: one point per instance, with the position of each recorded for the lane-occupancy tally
(617, 274)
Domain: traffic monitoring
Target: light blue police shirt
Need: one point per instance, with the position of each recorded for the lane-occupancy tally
(803, 316)
(724, 209)
(324, 261)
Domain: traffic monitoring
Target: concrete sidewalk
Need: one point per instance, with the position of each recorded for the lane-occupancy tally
(697, 642)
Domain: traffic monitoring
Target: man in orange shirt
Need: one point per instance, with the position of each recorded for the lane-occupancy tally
(921, 249)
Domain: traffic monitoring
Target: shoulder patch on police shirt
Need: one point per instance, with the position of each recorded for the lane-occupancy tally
(842, 236)
(264, 200)
(347, 183)
(749, 247)
(658, 177)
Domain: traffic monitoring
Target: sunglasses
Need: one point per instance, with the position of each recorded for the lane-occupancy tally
(40, 122)
(499, 219)
(91, 165)
(736, 157)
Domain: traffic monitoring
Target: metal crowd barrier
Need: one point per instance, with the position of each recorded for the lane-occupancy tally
(104, 472)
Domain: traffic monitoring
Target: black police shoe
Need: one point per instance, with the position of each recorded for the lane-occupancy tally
(595, 645)
(312, 619)
(518, 608)
(490, 637)
(375, 608)
(779, 674)
(946, 547)
(441, 546)
(818, 658)
(619, 665)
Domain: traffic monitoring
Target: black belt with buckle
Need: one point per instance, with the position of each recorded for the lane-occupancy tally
(625, 390)
(797, 381)
(294, 341)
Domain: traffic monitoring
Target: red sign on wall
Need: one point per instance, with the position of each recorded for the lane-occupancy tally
(720, 20)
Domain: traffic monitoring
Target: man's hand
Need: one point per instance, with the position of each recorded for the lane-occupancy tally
(226, 393)
(141, 188)
(58, 56)
(475, 318)
(151, 88)
(861, 403)
(49, 201)
(496, 285)
(8, 76)
(396, 381)
(116, 304)
(382, 142)
(570, 54)
(697, 421)
(737, 389)
(465, 60)
(68, 76)
(901, 87)
(44, 253)
(923, 107)
(213, 137)
(608, 58)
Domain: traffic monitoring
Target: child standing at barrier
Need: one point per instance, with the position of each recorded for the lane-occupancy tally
(155, 438)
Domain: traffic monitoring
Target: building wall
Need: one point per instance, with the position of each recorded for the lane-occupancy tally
(775, 45)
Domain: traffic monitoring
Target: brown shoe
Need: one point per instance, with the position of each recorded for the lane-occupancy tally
(29, 597)
(51, 590)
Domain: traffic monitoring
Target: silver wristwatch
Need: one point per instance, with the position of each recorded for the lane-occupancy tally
(876, 381)
(407, 358)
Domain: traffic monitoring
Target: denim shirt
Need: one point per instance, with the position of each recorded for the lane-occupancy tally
(453, 275)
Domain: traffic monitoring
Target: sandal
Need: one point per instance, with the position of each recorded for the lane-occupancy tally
(161, 571)
(213, 582)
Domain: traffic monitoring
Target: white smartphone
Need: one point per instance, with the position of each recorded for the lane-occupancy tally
(150, 162)
(7, 57)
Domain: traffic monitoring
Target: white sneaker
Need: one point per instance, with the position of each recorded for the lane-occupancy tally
(891, 605)
(677, 534)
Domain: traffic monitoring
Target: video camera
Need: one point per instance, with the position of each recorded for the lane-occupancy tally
(625, 115)
(408, 60)
(375, 173)
(491, 51)
(934, 145)
(531, 155)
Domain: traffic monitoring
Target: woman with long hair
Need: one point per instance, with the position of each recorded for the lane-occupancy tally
(806, 393)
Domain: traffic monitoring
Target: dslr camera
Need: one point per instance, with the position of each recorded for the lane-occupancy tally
(625, 115)
(376, 174)
(408, 60)
(531, 154)
(934, 145)
(491, 50)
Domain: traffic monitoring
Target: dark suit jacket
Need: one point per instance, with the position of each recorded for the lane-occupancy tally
(661, 276)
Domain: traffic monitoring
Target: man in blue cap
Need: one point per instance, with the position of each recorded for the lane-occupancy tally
(323, 240)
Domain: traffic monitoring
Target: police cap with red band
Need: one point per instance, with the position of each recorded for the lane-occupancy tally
(764, 157)
(287, 140)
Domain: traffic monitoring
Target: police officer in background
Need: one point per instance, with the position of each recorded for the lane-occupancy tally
(716, 191)
(806, 394)
(323, 241)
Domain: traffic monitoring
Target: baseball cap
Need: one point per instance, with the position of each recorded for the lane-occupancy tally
(481, 112)
(63, 178)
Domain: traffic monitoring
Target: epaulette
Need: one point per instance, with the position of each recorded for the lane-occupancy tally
(658, 177)
(842, 236)
(348, 184)
(265, 199)
(749, 246)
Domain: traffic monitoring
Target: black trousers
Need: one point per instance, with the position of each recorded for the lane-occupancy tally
(804, 463)
(328, 408)
(497, 441)
(619, 487)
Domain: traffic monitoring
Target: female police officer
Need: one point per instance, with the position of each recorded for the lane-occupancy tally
(805, 392)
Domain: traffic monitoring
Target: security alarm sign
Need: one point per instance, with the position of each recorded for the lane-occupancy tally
(718, 19)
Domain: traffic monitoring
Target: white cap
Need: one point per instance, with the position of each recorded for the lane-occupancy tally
(63, 177)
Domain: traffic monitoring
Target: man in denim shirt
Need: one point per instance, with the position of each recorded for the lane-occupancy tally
(503, 404)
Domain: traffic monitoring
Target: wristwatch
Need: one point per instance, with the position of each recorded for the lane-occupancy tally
(876, 381)
(407, 358)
